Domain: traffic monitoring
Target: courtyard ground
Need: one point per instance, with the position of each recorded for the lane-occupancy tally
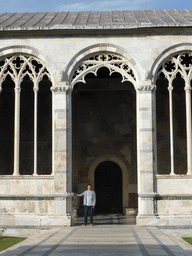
(117, 238)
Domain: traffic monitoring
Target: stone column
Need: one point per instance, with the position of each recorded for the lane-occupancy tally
(62, 152)
(170, 89)
(146, 152)
(188, 122)
(35, 89)
(17, 129)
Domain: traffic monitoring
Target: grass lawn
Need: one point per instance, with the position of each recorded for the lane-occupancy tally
(188, 239)
(7, 241)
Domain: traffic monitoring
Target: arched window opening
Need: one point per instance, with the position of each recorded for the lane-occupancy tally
(44, 128)
(7, 99)
(162, 113)
(179, 126)
(27, 127)
(173, 82)
(30, 113)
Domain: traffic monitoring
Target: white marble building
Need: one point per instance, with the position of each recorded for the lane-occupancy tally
(101, 98)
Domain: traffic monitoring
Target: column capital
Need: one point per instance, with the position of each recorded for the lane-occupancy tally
(187, 88)
(170, 88)
(147, 88)
(17, 89)
(61, 87)
(36, 89)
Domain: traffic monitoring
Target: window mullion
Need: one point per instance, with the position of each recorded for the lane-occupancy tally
(188, 120)
(170, 88)
(17, 129)
(36, 89)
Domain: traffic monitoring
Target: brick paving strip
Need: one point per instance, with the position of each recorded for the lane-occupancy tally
(103, 240)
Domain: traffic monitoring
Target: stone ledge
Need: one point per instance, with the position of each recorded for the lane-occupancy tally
(165, 220)
(36, 197)
(147, 195)
(23, 177)
(28, 197)
(175, 176)
(173, 197)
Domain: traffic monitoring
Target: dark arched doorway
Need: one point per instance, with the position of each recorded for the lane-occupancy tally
(108, 187)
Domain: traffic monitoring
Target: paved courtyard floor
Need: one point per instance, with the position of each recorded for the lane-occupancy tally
(104, 240)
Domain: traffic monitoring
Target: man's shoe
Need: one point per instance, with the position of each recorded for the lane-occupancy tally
(84, 224)
(91, 224)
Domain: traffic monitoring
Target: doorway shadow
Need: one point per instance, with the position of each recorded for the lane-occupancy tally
(108, 188)
(108, 219)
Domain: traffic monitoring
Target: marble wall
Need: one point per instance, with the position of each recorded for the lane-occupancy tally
(105, 123)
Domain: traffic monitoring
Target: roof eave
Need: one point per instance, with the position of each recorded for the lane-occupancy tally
(94, 27)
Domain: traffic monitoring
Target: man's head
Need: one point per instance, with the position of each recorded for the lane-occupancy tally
(89, 186)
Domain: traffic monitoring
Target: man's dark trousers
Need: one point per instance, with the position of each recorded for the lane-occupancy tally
(90, 209)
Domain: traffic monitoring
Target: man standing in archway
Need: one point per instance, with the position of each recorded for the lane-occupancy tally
(89, 201)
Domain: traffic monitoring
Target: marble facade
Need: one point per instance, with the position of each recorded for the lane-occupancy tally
(146, 59)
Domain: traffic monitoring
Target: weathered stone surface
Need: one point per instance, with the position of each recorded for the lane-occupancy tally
(116, 115)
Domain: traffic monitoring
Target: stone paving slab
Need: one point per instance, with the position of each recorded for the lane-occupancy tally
(102, 240)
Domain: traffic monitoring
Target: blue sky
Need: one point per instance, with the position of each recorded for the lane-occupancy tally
(90, 5)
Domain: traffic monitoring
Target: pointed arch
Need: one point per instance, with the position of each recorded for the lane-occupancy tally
(18, 65)
(167, 55)
(93, 58)
(29, 51)
(173, 62)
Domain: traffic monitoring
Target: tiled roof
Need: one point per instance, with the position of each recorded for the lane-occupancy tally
(95, 20)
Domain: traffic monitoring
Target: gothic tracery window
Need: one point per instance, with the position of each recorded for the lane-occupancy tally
(114, 63)
(24, 84)
(174, 115)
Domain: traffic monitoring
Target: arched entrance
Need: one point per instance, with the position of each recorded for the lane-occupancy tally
(104, 124)
(108, 187)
